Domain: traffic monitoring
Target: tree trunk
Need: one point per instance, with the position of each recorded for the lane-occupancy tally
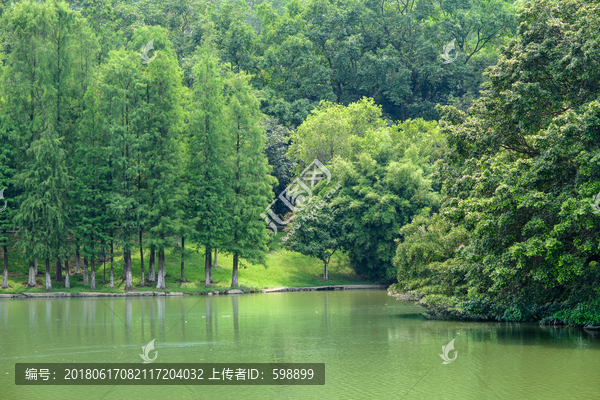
(326, 269)
(161, 269)
(234, 273)
(58, 270)
(93, 262)
(210, 279)
(93, 282)
(142, 258)
(85, 269)
(32, 274)
(182, 260)
(207, 267)
(215, 262)
(48, 282)
(5, 274)
(36, 266)
(151, 275)
(104, 266)
(77, 258)
(67, 277)
(128, 277)
(112, 280)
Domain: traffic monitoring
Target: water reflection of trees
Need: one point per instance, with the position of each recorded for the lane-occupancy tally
(236, 325)
(208, 317)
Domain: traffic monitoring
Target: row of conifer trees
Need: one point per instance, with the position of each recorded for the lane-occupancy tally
(113, 152)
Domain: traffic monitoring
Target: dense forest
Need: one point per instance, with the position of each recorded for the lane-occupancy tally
(461, 139)
(517, 235)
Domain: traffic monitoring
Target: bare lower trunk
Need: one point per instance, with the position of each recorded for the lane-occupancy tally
(234, 273)
(85, 269)
(215, 262)
(31, 280)
(35, 266)
(210, 279)
(48, 282)
(161, 269)
(151, 277)
(5, 273)
(58, 270)
(207, 268)
(182, 261)
(67, 276)
(125, 266)
(142, 258)
(326, 269)
(128, 277)
(112, 280)
(93, 282)
(77, 260)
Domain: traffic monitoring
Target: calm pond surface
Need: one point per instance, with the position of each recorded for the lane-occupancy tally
(372, 346)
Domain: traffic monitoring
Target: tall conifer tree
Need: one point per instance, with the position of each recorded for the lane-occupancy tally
(42, 217)
(250, 182)
(209, 157)
(42, 102)
(160, 120)
(120, 92)
(7, 189)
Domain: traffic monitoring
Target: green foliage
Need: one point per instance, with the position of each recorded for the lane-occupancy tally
(105, 23)
(210, 153)
(587, 313)
(184, 21)
(425, 243)
(250, 183)
(42, 218)
(315, 230)
(7, 183)
(331, 131)
(382, 188)
(522, 169)
(120, 94)
(159, 129)
(278, 138)
(45, 78)
(302, 53)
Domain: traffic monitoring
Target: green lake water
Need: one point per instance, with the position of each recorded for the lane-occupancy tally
(372, 347)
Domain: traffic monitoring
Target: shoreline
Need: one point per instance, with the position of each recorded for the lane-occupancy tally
(149, 293)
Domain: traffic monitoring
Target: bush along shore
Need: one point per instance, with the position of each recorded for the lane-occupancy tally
(450, 308)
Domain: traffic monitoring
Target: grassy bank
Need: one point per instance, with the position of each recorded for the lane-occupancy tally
(283, 269)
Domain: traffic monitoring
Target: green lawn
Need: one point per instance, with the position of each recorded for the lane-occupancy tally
(283, 268)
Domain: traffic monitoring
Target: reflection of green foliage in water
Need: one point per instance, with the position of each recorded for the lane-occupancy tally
(350, 331)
